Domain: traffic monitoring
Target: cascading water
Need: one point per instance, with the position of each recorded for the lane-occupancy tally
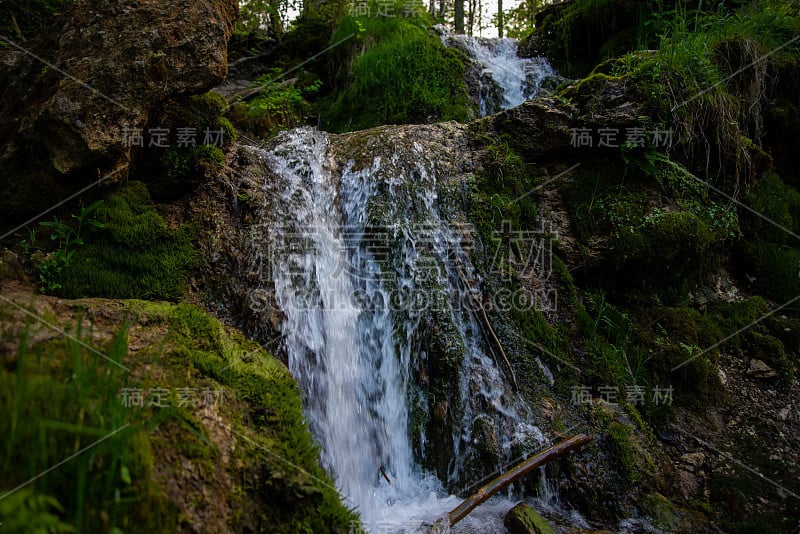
(505, 80)
(352, 252)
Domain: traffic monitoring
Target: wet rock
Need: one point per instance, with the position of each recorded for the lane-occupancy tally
(66, 123)
(549, 84)
(662, 512)
(535, 128)
(522, 519)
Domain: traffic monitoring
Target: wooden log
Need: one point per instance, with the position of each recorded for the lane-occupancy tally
(502, 481)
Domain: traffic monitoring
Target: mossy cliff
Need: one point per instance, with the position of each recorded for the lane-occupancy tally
(189, 427)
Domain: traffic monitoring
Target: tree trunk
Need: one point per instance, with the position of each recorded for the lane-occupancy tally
(500, 18)
(459, 16)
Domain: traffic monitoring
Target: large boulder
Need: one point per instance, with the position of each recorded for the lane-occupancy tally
(70, 102)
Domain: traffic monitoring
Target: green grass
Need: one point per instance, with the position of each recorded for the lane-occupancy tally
(692, 77)
(59, 398)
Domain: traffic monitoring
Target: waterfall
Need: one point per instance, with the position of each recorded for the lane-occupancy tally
(359, 258)
(501, 79)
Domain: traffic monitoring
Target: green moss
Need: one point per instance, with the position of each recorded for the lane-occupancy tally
(134, 255)
(523, 518)
(197, 132)
(280, 104)
(665, 236)
(403, 76)
(200, 110)
(58, 396)
(281, 459)
(501, 198)
(230, 131)
(622, 452)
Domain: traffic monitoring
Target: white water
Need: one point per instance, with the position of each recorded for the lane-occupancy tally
(505, 77)
(349, 338)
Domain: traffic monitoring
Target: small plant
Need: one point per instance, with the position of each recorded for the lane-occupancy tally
(26, 511)
(68, 239)
(282, 104)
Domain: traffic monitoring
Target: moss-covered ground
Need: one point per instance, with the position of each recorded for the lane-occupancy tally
(166, 419)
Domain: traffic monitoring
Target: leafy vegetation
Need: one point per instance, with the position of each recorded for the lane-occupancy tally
(69, 239)
(280, 105)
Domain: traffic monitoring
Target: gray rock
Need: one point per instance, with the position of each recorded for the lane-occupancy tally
(759, 369)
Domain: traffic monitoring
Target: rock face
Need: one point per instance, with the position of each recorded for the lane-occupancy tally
(68, 114)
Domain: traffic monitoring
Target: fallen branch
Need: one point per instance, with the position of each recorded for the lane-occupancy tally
(499, 483)
(380, 468)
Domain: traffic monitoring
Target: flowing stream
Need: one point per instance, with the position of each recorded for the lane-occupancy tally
(503, 79)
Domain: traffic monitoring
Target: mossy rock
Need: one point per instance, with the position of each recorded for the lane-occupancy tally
(171, 172)
(667, 516)
(522, 519)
